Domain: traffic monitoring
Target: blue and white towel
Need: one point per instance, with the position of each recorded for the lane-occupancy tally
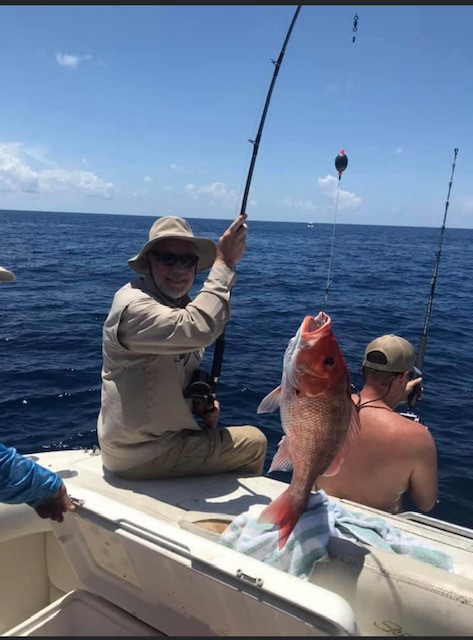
(308, 542)
(377, 532)
(306, 545)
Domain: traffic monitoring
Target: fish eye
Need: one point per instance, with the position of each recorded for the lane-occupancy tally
(329, 361)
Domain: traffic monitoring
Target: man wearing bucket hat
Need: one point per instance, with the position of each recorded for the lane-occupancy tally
(25, 481)
(393, 454)
(153, 341)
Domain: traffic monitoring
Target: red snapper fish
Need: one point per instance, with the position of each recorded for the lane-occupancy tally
(318, 417)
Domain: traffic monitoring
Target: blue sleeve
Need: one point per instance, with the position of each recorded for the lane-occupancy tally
(22, 480)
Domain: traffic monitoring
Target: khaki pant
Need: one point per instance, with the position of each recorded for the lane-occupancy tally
(206, 452)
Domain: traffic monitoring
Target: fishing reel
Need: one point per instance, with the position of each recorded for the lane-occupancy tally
(200, 389)
(412, 397)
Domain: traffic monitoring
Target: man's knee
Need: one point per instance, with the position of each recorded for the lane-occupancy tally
(254, 444)
(260, 441)
(253, 437)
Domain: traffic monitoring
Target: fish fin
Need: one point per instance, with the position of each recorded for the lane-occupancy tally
(270, 402)
(282, 512)
(334, 466)
(354, 429)
(282, 459)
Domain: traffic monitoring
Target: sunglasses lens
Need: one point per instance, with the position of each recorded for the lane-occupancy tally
(189, 261)
(169, 259)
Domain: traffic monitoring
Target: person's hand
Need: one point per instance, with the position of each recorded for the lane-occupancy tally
(208, 415)
(232, 243)
(416, 382)
(55, 506)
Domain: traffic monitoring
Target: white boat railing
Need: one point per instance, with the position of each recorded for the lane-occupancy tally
(414, 516)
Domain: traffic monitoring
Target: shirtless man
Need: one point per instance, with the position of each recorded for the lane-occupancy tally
(392, 454)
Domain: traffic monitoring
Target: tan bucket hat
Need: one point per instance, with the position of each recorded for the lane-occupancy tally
(6, 276)
(178, 228)
(389, 353)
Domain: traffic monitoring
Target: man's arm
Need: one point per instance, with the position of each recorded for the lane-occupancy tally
(149, 327)
(423, 486)
(24, 481)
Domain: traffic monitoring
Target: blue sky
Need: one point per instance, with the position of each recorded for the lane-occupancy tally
(148, 110)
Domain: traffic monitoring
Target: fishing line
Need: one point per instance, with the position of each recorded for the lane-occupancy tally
(327, 286)
(419, 363)
(341, 162)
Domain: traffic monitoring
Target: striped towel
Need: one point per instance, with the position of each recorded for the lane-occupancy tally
(306, 545)
(308, 542)
(377, 532)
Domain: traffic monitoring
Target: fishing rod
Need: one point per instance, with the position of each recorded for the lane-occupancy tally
(256, 142)
(419, 362)
(205, 385)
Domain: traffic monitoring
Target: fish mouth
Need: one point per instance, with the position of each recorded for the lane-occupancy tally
(313, 326)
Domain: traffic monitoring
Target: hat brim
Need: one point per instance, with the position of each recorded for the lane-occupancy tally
(206, 248)
(6, 276)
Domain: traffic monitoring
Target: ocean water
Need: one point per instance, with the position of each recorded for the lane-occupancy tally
(69, 266)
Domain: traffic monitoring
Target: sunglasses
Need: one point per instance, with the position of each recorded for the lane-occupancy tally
(169, 259)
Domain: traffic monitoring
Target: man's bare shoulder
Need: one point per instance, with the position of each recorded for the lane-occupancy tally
(375, 416)
(420, 438)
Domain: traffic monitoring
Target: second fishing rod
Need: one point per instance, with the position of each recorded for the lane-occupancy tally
(419, 362)
(203, 386)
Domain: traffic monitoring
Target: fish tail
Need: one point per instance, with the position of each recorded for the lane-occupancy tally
(285, 513)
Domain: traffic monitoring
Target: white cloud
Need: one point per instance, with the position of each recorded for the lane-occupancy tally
(147, 179)
(398, 150)
(299, 205)
(14, 174)
(217, 192)
(17, 176)
(176, 167)
(39, 155)
(346, 199)
(85, 181)
(167, 188)
(68, 60)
